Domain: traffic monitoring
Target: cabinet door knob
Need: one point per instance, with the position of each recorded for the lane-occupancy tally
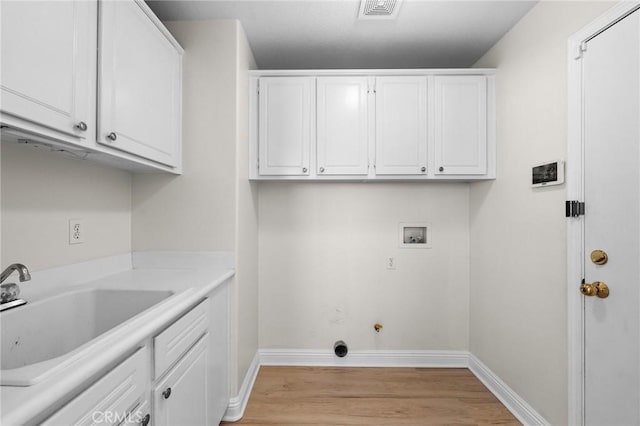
(423, 169)
(145, 421)
(321, 169)
(304, 170)
(112, 136)
(441, 169)
(166, 393)
(82, 126)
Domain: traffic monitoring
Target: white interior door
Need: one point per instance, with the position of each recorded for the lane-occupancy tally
(611, 73)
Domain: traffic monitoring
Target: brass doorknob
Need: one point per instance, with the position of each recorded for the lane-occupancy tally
(599, 257)
(598, 288)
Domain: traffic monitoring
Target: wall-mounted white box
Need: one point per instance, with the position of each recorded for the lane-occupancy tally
(414, 235)
(547, 174)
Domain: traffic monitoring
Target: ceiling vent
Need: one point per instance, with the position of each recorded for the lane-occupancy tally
(379, 9)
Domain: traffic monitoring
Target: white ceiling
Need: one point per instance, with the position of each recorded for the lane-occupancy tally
(312, 34)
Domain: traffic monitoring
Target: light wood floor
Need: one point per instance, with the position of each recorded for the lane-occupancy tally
(371, 396)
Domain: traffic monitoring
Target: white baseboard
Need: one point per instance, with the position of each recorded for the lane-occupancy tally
(514, 403)
(322, 358)
(237, 404)
(420, 359)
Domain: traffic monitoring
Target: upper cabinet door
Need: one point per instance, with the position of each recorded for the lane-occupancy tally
(460, 125)
(401, 125)
(285, 113)
(48, 52)
(342, 126)
(140, 83)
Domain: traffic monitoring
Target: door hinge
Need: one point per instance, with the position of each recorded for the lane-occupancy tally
(258, 87)
(574, 208)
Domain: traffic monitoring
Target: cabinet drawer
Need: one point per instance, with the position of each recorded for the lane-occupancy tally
(172, 343)
(110, 399)
(139, 415)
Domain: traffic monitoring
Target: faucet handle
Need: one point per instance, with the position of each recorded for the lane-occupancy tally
(10, 292)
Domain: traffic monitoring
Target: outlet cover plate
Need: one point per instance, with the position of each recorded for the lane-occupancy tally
(76, 231)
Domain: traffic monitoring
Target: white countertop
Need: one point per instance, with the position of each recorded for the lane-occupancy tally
(190, 276)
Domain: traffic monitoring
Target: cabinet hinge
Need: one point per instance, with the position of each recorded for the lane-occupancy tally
(258, 87)
(574, 208)
(582, 47)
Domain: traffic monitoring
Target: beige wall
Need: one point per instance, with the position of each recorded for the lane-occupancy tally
(518, 307)
(323, 276)
(195, 211)
(42, 190)
(247, 220)
(211, 206)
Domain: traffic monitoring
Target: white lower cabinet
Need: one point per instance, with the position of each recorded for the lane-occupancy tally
(179, 377)
(175, 341)
(181, 398)
(112, 399)
(139, 416)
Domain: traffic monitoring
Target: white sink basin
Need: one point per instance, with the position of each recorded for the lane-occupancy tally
(39, 337)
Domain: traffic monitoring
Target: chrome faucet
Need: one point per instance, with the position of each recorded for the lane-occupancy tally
(10, 291)
(23, 272)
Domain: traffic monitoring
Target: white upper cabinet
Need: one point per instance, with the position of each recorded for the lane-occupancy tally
(48, 54)
(460, 125)
(286, 105)
(140, 78)
(342, 144)
(401, 126)
(99, 79)
(372, 125)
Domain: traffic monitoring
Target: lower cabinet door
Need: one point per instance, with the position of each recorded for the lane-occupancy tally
(181, 397)
(112, 399)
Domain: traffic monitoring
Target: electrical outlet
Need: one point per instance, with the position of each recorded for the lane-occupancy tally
(76, 231)
(391, 263)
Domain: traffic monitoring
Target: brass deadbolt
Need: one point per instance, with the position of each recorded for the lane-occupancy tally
(598, 288)
(377, 327)
(599, 257)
